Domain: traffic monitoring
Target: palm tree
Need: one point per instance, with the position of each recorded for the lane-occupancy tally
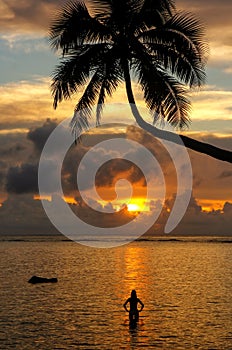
(115, 40)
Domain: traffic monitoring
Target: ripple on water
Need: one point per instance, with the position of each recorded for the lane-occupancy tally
(186, 288)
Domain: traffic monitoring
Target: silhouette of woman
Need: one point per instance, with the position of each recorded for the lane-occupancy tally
(133, 311)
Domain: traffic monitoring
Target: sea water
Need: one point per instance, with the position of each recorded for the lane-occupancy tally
(186, 287)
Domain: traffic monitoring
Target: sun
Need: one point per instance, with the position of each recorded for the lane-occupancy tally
(133, 207)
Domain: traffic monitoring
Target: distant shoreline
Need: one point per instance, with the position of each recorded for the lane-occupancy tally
(161, 239)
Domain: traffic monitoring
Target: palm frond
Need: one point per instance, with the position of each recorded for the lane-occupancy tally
(74, 71)
(185, 29)
(111, 77)
(163, 94)
(73, 26)
(122, 14)
(185, 65)
(179, 46)
(83, 109)
(67, 77)
(103, 83)
(101, 8)
(154, 13)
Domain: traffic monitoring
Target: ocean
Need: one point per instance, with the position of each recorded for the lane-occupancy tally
(185, 284)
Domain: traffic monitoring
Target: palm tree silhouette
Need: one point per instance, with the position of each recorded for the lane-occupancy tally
(114, 40)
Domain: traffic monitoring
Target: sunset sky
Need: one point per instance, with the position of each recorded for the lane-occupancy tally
(27, 118)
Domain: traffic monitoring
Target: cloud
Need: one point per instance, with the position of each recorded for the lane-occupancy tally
(21, 215)
(24, 24)
(5, 11)
(24, 103)
(40, 135)
(214, 14)
(27, 157)
(2, 175)
(210, 188)
(228, 70)
(36, 14)
(220, 56)
(33, 17)
(22, 179)
(19, 165)
(220, 128)
(211, 105)
(227, 209)
(206, 170)
(14, 149)
(116, 169)
(24, 16)
(108, 173)
(196, 221)
(209, 191)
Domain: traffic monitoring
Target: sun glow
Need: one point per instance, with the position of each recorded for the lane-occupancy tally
(133, 207)
(211, 205)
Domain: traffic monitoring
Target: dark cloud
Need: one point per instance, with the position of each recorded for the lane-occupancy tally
(152, 144)
(14, 146)
(18, 178)
(22, 179)
(197, 222)
(227, 208)
(211, 12)
(2, 177)
(115, 169)
(76, 152)
(3, 171)
(91, 139)
(3, 165)
(207, 182)
(21, 215)
(37, 14)
(70, 167)
(12, 151)
(40, 135)
(29, 14)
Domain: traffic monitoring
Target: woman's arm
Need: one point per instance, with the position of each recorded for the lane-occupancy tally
(125, 304)
(141, 303)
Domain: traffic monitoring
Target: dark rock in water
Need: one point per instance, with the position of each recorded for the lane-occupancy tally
(36, 279)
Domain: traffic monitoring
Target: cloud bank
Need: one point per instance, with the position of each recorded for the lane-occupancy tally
(209, 211)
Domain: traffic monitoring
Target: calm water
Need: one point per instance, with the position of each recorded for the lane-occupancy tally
(186, 288)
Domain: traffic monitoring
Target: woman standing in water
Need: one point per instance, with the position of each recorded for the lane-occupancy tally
(133, 311)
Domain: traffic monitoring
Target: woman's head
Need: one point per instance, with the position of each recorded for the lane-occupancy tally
(133, 293)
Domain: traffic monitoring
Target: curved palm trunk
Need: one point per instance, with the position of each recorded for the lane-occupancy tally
(190, 143)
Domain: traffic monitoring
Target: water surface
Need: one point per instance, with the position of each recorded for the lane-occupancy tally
(186, 288)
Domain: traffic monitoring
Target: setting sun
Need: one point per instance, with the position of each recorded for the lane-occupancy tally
(133, 207)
